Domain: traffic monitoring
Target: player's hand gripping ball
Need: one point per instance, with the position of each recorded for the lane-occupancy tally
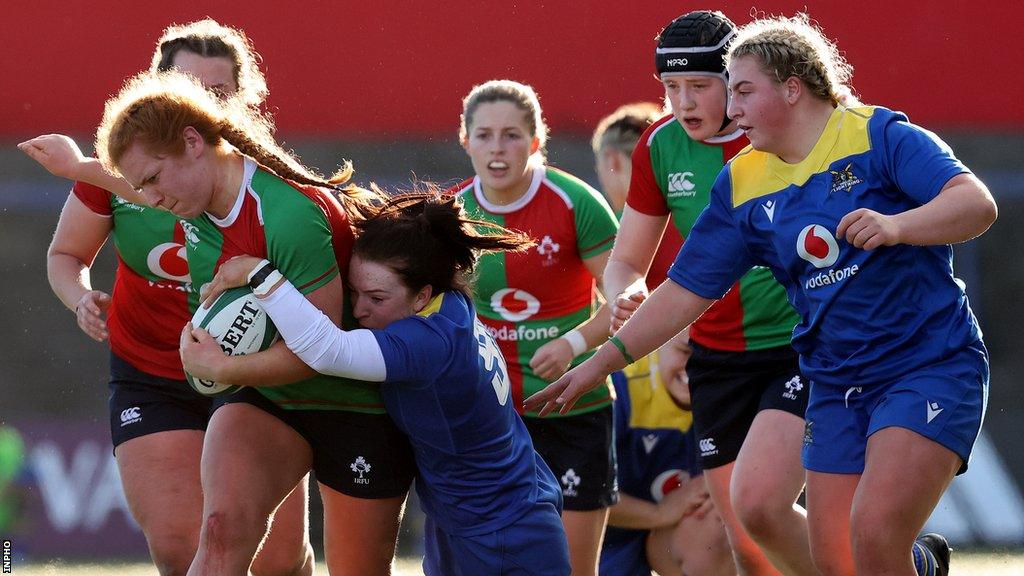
(238, 324)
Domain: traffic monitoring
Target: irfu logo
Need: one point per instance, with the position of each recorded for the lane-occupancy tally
(362, 468)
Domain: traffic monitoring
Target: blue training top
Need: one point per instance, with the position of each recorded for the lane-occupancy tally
(447, 388)
(867, 316)
(656, 451)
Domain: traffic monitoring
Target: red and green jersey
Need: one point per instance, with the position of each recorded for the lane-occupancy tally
(149, 302)
(304, 232)
(529, 298)
(673, 175)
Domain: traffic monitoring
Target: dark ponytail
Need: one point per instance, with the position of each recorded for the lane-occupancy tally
(427, 239)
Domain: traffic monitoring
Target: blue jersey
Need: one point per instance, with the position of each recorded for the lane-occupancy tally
(656, 453)
(447, 388)
(868, 317)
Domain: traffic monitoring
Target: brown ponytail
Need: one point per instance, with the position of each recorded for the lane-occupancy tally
(154, 109)
(427, 239)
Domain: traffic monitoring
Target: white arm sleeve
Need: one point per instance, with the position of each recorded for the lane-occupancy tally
(311, 335)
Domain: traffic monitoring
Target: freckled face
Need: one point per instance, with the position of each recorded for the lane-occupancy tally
(379, 296)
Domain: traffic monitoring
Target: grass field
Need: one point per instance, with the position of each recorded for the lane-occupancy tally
(973, 563)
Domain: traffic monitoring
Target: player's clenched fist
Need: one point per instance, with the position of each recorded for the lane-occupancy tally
(57, 153)
(626, 303)
(867, 229)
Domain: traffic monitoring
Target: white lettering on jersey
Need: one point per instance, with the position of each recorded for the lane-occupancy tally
(680, 185)
(494, 363)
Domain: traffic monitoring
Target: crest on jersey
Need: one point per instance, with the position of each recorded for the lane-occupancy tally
(843, 180)
(818, 246)
(548, 248)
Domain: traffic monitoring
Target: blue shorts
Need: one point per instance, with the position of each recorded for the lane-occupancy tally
(534, 544)
(944, 402)
(624, 553)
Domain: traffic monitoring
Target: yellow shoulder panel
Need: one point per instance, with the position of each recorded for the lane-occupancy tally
(433, 307)
(747, 176)
(754, 174)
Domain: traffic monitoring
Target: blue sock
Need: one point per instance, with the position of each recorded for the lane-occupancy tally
(924, 560)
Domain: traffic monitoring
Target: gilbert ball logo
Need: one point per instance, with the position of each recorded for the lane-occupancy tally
(817, 245)
(514, 305)
(168, 261)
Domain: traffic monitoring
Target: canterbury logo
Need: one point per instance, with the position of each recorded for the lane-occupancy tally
(707, 446)
(679, 182)
(131, 415)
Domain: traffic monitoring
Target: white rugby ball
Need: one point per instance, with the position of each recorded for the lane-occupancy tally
(237, 322)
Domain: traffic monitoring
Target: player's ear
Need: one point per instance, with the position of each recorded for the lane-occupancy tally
(194, 143)
(422, 298)
(792, 88)
(535, 145)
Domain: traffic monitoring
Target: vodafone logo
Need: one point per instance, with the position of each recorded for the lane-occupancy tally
(514, 305)
(167, 260)
(817, 245)
(666, 482)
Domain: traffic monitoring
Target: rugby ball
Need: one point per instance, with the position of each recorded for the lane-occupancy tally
(238, 322)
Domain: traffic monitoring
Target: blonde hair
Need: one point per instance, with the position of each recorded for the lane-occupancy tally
(154, 109)
(621, 129)
(794, 47)
(521, 95)
(210, 39)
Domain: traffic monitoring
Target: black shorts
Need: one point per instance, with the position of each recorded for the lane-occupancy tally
(580, 450)
(360, 455)
(728, 389)
(142, 403)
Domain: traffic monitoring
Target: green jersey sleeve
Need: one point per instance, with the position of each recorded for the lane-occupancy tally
(298, 233)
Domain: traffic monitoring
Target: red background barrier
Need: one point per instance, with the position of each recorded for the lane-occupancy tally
(392, 69)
